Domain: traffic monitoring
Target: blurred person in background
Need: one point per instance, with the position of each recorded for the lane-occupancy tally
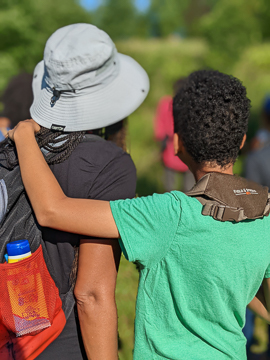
(84, 89)
(4, 127)
(257, 165)
(257, 168)
(262, 136)
(163, 129)
(17, 99)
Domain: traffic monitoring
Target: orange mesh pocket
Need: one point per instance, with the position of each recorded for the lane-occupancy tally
(29, 297)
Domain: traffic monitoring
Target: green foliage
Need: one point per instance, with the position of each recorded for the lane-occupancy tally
(264, 18)
(167, 16)
(195, 10)
(117, 18)
(165, 60)
(121, 20)
(230, 27)
(25, 25)
(253, 68)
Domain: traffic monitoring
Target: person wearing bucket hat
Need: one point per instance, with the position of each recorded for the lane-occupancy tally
(86, 83)
(83, 92)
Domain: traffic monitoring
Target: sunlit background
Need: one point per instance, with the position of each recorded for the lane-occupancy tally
(170, 39)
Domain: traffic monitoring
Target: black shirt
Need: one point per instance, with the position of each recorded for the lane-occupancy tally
(96, 169)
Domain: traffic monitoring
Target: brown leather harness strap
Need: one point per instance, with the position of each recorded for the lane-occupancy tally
(231, 198)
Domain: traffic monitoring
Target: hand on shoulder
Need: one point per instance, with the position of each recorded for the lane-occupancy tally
(28, 126)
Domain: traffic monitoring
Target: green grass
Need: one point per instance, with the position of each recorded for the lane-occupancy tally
(126, 291)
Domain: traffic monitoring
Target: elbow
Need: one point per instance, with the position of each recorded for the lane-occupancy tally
(49, 213)
(89, 300)
(45, 216)
(85, 301)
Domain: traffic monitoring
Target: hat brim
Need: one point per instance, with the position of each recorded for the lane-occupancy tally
(88, 111)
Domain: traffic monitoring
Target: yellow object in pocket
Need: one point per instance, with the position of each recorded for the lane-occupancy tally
(16, 258)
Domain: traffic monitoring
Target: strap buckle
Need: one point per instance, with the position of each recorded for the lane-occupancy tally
(223, 212)
(226, 213)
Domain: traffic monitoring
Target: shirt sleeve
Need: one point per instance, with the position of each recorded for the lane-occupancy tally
(267, 272)
(116, 181)
(147, 226)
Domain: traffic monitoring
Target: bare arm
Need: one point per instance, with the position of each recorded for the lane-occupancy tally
(95, 295)
(51, 206)
(260, 305)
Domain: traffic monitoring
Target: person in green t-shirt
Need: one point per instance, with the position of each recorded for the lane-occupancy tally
(197, 274)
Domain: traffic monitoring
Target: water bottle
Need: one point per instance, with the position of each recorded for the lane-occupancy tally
(18, 250)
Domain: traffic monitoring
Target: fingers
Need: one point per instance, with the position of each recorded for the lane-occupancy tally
(22, 126)
(10, 134)
(35, 125)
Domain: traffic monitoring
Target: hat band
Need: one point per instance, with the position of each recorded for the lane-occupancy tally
(57, 94)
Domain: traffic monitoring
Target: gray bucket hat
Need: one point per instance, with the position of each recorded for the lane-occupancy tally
(83, 83)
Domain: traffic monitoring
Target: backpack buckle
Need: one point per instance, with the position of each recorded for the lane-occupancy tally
(226, 213)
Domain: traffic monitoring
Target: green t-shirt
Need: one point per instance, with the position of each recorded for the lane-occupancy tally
(197, 276)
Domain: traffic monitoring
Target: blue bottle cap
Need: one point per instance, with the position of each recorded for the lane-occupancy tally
(18, 247)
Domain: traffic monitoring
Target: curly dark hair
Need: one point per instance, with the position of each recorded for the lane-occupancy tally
(211, 114)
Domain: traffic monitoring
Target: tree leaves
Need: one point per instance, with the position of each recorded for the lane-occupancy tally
(25, 25)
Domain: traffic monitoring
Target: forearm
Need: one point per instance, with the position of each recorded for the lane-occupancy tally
(95, 295)
(98, 323)
(259, 307)
(51, 206)
(36, 175)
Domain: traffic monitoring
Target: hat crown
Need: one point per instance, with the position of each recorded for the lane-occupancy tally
(78, 56)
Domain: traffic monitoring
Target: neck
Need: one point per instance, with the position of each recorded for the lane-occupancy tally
(200, 171)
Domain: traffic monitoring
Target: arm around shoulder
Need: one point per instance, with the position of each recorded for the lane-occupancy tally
(51, 206)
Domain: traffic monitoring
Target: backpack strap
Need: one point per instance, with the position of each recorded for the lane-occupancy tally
(230, 198)
(267, 206)
(223, 213)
